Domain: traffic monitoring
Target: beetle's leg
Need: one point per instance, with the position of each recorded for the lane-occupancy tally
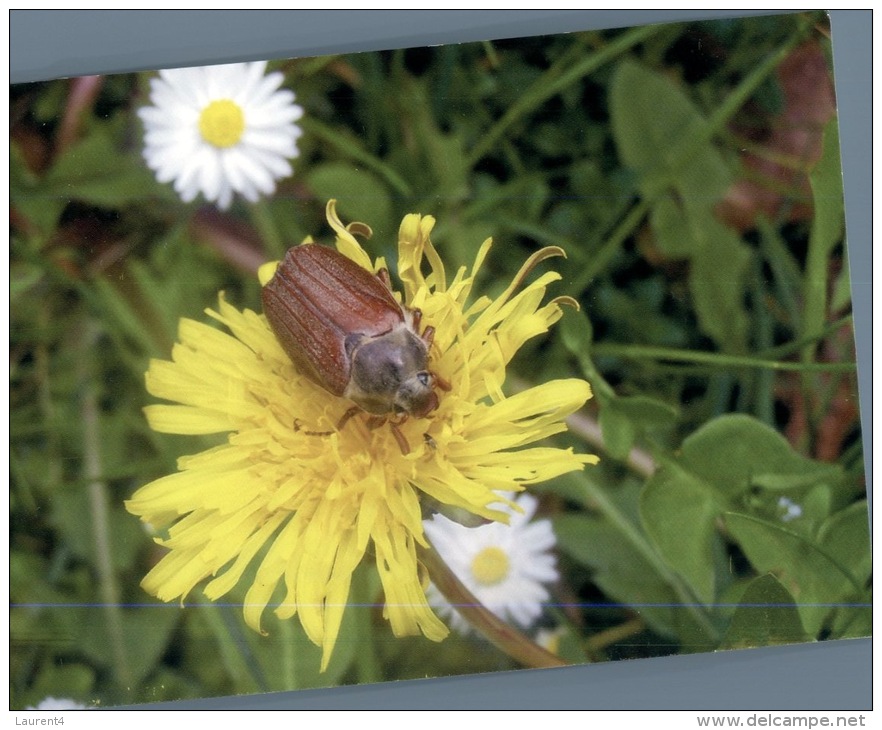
(375, 422)
(346, 416)
(340, 424)
(428, 336)
(383, 276)
(310, 433)
(442, 383)
(399, 437)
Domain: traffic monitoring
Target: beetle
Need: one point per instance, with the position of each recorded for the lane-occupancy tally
(344, 330)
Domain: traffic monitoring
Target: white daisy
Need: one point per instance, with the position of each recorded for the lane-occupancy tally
(57, 703)
(504, 566)
(219, 130)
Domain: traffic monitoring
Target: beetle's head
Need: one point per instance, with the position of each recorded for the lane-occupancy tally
(416, 395)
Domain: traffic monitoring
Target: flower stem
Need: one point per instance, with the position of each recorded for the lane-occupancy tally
(614, 635)
(263, 221)
(715, 125)
(505, 637)
(640, 352)
(99, 507)
(553, 82)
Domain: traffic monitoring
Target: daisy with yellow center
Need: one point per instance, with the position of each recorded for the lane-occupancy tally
(505, 566)
(220, 130)
(306, 501)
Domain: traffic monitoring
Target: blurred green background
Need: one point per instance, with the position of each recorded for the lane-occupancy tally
(691, 173)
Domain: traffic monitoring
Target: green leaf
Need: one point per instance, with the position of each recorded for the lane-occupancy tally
(622, 418)
(26, 196)
(623, 574)
(653, 123)
(735, 451)
(577, 332)
(360, 195)
(618, 430)
(655, 126)
(717, 281)
(841, 296)
(145, 635)
(21, 177)
(95, 171)
(845, 536)
(290, 660)
(120, 316)
(677, 512)
(74, 681)
(72, 515)
(814, 577)
(22, 276)
(767, 616)
(826, 181)
(646, 410)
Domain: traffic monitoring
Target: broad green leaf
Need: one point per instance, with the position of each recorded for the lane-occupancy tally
(73, 680)
(96, 171)
(655, 126)
(717, 281)
(677, 512)
(145, 633)
(854, 620)
(623, 574)
(766, 616)
(671, 227)
(73, 518)
(845, 536)
(577, 332)
(735, 451)
(618, 430)
(814, 577)
(622, 418)
(653, 123)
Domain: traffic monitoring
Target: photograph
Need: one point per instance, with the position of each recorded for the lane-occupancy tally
(428, 362)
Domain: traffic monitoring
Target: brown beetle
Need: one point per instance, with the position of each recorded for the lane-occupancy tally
(343, 329)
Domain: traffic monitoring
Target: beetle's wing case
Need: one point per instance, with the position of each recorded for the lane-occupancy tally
(316, 299)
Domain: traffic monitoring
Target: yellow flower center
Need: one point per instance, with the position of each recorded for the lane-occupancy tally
(490, 566)
(222, 123)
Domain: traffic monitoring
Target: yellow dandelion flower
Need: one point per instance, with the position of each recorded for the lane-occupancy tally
(307, 501)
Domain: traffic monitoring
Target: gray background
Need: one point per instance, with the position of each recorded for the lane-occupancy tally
(830, 676)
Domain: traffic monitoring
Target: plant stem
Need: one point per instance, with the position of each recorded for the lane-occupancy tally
(647, 352)
(553, 82)
(503, 636)
(715, 125)
(98, 505)
(266, 227)
(614, 635)
(601, 502)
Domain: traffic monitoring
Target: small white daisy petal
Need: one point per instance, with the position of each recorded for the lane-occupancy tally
(218, 131)
(506, 567)
(57, 703)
